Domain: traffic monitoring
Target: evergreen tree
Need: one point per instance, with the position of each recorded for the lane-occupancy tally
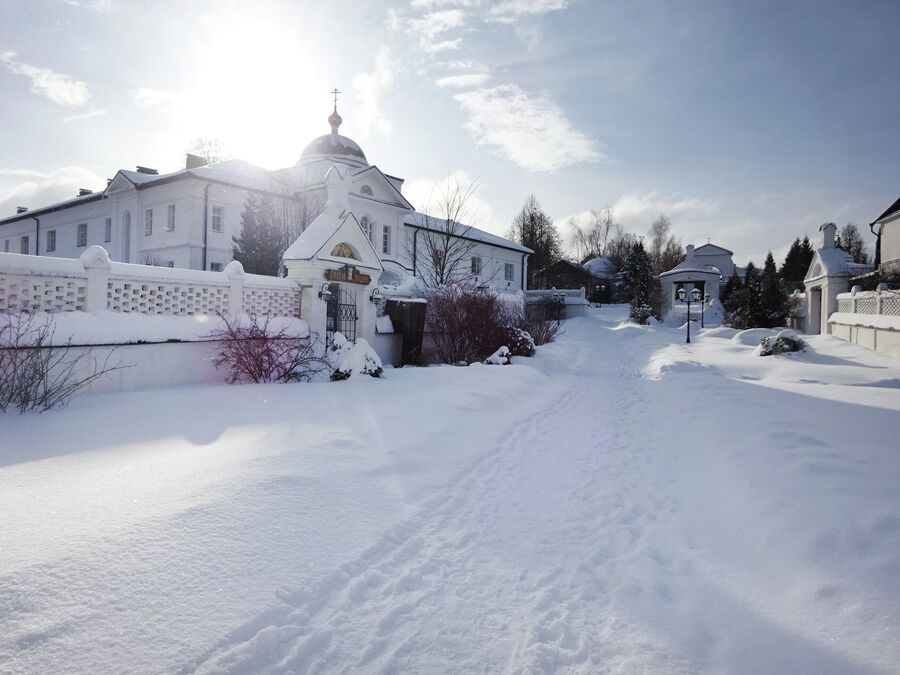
(746, 305)
(731, 286)
(774, 299)
(259, 245)
(640, 284)
(788, 271)
(534, 228)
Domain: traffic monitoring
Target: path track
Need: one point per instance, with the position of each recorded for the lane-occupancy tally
(508, 570)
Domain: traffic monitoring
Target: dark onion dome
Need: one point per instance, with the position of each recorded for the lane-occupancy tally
(334, 145)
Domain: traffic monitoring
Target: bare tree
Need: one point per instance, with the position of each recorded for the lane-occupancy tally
(209, 148)
(619, 245)
(665, 249)
(443, 244)
(591, 238)
(853, 243)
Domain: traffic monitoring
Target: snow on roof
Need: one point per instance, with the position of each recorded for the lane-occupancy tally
(432, 223)
(829, 261)
(711, 249)
(601, 266)
(313, 237)
(689, 265)
(235, 171)
(890, 211)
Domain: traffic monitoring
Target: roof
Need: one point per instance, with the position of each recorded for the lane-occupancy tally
(233, 171)
(601, 267)
(832, 261)
(333, 145)
(891, 210)
(689, 266)
(575, 267)
(711, 249)
(426, 222)
(58, 206)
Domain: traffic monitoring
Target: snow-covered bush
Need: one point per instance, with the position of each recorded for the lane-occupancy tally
(501, 357)
(518, 341)
(257, 352)
(357, 358)
(640, 314)
(784, 342)
(36, 373)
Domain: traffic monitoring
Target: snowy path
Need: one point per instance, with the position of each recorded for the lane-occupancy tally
(645, 507)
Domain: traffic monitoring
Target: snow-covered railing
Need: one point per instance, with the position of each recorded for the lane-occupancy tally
(571, 296)
(93, 282)
(881, 302)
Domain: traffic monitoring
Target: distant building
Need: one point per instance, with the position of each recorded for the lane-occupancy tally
(597, 276)
(887, 228)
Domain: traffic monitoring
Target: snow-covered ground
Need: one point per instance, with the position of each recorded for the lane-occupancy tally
(619, 503)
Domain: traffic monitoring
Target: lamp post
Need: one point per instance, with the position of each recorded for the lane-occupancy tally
(684, 296)
(558, 301)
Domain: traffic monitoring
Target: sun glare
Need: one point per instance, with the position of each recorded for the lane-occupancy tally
(253, 87)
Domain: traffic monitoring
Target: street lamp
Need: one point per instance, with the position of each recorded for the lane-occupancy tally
(558, 301)
(325, 294)
(684, 296)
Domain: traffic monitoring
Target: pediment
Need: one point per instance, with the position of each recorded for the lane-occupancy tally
(372, 184)
(350, 239)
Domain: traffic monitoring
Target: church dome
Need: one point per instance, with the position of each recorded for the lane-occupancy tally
(336, 146)
(333, 145)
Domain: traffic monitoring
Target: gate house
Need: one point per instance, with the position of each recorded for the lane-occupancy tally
(336, 267)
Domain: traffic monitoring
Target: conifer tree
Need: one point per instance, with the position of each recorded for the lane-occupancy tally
(640, 284)
(774, 299)
(731, 286)
(746, 305)
(258, 246)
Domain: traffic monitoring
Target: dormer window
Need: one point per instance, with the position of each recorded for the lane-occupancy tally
(366, 190)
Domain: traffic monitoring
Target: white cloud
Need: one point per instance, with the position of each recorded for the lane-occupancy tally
(153, 98)
(370, 87)
(532, 132)
(636, 211)
(424, 194)
(57, 87)
(443, 46)
(511, 11)
(461, 81)
(45, 189)
(430, 28)
(22, 173)
(84, 116)
(96, 5)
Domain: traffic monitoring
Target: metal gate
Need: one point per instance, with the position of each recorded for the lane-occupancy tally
(340, 315)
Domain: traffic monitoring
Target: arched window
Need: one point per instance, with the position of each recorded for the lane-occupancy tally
(367, 227)
(366, 190)
(344, 250)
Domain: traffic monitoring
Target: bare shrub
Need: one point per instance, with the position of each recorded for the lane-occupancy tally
(257, 352)
(539, 321)
(35, 374)
(466, 325)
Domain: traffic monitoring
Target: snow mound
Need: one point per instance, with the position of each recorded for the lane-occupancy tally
(722, 332)
(752, 336)
(383, 324)
(501, 357)
(714, 314)
(357, 359)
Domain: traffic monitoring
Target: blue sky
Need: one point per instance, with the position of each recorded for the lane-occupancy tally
(748, 123)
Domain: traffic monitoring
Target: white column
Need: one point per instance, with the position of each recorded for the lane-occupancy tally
(96, 264)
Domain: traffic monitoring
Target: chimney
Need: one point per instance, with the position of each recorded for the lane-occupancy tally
(828, 230)
(84, 191)
(147, 170)
(21, 209)
(108, 182)
(194, 161)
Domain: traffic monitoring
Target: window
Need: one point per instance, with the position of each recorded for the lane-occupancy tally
(51, 241)
(170, 222)
(215, 267)
(476, 265)
(170, 263)
(148, 222)
(107, 230)
(6, 246)
(81, 236)
(367, 228)
(386, 239)
(218, 217)
(23, 245)
(366, 190)
(509, 272)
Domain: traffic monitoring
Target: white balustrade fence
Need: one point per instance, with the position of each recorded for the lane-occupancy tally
(93, 282)
(882, 302)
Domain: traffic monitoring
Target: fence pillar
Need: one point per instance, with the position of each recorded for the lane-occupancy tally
(96, 264)
(234, 272)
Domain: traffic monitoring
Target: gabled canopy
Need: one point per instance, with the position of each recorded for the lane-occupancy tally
(336, 239)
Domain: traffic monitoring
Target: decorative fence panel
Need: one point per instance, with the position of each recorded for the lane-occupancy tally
(882, 302)
(93, 282)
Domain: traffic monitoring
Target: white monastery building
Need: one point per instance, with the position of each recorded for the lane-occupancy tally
(188, 218)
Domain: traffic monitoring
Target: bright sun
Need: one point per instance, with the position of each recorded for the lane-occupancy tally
(255, 87)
